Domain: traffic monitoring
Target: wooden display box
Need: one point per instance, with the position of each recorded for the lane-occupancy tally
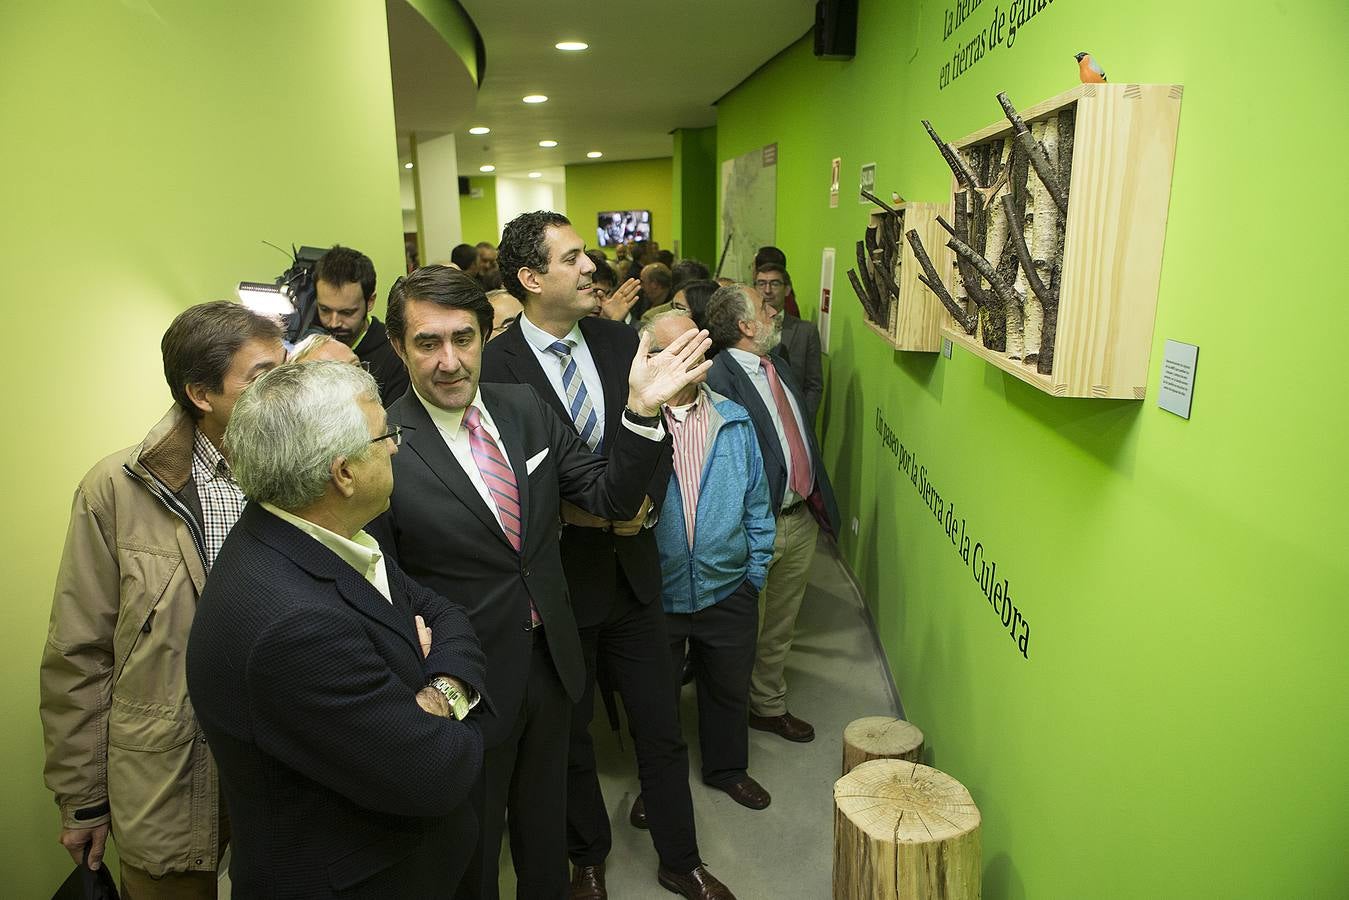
(1120, 186)
(916, 317)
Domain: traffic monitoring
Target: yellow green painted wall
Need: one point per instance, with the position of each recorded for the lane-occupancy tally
(149, 150)
(633, 184)
(1178, 728)
(478, 216)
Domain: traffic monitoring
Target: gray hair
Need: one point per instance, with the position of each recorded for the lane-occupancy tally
(726, 309)
(289, 426)
(648, 323)
(308, 347)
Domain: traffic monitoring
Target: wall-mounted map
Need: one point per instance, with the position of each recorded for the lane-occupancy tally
(749, 204)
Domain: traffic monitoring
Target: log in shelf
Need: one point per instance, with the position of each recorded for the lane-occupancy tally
(912, 317)
(1059, 214)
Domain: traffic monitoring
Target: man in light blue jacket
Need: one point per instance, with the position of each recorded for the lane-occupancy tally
(715, 535)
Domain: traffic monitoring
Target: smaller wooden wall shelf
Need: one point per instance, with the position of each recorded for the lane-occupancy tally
(916, 316)
(1120, 186)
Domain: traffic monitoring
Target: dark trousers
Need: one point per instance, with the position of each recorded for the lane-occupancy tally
(720, 640)
(631, 643)
(523, 785)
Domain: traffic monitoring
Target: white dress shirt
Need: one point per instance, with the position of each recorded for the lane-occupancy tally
(361, 552)
(539, 341)
(450, 424)
(751, 363)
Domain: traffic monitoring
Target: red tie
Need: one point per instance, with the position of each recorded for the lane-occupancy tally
(499, 477)
(801, 481)
(496, 473)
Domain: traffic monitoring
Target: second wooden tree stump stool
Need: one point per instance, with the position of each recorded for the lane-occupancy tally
(880, 737)
(905, 831)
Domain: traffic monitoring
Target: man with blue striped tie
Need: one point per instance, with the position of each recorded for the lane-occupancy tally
(577, 363)
(473, 517)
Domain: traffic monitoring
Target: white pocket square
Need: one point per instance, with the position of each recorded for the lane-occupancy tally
(533, 462)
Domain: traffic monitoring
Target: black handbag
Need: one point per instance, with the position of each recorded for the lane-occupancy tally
(85, 883)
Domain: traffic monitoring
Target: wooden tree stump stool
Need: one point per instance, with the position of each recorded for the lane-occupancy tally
(904, 831)
(880, 737)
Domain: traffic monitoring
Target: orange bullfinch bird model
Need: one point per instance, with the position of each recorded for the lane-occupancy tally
(1089, 69)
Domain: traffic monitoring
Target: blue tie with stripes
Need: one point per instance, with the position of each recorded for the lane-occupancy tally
(578, 399)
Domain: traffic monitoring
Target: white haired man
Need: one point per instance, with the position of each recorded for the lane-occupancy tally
(334, 691)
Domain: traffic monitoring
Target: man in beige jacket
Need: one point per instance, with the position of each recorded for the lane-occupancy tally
(124, 752)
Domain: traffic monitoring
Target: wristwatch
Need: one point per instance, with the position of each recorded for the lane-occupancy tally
(455, 697)
(644, 421)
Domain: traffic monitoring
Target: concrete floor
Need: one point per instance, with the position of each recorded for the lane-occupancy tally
(834, 674)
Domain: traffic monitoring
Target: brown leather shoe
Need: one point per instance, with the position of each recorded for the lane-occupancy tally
(785, 726)
(638, 815)
(747, 792)
(587, 883)
(699, 884)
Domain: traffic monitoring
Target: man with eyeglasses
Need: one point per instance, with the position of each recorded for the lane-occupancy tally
(800, 344)
(611, 303)
(336, 693)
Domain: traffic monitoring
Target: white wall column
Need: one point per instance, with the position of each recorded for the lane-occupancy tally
(437, 186)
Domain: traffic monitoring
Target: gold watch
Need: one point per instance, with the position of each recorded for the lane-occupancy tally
(455, 697)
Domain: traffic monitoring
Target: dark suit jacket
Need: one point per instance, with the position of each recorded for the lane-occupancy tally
(390, 373)
(304, 680)
(510, 359)
(801, 348)
(728, 379)
(444, 535)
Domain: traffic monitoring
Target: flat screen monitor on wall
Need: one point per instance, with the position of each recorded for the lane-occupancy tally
(620, 225)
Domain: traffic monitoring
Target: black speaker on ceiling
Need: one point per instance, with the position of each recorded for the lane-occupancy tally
(836, 29)
(464, 186)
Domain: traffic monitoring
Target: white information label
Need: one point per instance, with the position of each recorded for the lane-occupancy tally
(826, 296)
(946, 347)
(1177, 383)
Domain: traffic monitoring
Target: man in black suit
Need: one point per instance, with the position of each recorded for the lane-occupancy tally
(576, 363)
(747, 328)
(334, 691)
(474, 514)
(344, 286)
(800, 344)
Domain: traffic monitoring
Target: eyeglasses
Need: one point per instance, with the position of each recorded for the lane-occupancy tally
(775, 284)
(396, 436)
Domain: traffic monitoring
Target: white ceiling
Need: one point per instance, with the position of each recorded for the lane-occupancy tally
(651, 67)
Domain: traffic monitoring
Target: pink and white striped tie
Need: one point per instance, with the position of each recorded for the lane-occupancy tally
(499, 477)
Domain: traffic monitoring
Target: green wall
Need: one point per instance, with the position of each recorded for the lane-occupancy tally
(1178, 728)
(150, 148)
(633, 184)
(695, 193)
(478, 217)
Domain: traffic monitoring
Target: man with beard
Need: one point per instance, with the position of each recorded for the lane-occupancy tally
(747, 328)
(344, 281)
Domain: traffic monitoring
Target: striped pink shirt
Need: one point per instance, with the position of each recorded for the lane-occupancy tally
(688, 429)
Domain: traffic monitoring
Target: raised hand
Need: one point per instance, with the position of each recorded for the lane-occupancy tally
(653, 380)
(618, 304)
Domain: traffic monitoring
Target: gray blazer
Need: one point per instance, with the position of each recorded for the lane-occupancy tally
(801, 348)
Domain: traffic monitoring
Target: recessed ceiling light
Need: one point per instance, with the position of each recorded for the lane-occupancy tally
(534, 98)
(480, 129)
(547, 143)
(487, 168)
(535, 174)
(594, 154)
(407, 165)
(572, 45)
